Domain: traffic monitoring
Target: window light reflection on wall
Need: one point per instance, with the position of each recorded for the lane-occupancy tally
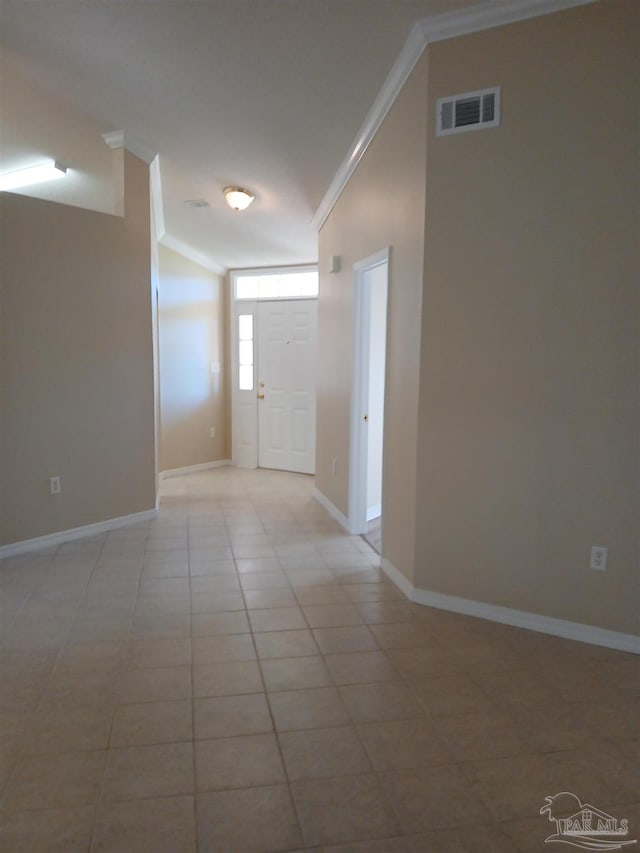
(49, 171)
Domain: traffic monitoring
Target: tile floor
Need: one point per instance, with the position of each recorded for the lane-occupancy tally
(239, 676)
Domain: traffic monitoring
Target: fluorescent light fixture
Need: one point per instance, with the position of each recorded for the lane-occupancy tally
(49, 171)
(237, 198)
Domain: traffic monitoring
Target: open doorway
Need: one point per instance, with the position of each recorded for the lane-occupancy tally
(367, 411)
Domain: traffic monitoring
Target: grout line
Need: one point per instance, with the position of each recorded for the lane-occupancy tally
(276, 733)
(194, 501)
(113, 710)
(192, 696)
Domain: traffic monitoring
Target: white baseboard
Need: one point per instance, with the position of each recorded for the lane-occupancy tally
(333, 510)
(533, 621)
(61, 536)
(401, 581)
(518, 618)
(193, 469)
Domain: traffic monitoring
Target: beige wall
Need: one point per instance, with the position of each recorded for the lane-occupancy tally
(38, 126)
(528, 442)
(192, 316)
(383, 205)
(76, 361)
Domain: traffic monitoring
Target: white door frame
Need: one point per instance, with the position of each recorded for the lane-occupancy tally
(360, 392)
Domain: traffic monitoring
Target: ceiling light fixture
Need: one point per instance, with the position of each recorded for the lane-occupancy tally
(33, 175)
(237, 198)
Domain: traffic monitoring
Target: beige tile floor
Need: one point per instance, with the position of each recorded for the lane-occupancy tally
(238, 675)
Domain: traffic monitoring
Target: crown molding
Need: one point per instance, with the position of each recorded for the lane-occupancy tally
(495, 13)
(121, 139)
(192, 254)
(397, 77)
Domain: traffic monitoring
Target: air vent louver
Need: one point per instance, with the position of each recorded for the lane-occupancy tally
(469, 111)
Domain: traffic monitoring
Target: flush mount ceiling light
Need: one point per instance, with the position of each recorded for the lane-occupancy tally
(237, 198)
(49, 171)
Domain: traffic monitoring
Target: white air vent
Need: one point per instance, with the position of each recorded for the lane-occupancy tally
(469, 111)
(197, 202)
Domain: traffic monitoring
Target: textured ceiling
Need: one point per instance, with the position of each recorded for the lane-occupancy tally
(268, 94)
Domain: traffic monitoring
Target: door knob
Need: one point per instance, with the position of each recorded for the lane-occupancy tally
(260, 396)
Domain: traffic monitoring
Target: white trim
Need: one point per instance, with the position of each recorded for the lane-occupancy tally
(121, 139)
(193, 469)
(155, 182)
(437, 28)
(192, 254)
(333, 510)
(518, 618)
(397, 77)
(76, 533)
(486, 16)
(375, 260)
(312, 266)
(533, 621)
(395, 575)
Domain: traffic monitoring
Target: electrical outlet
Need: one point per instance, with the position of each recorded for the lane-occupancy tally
(334, 467)
(54, 486)
(212, 432)
(598, 558)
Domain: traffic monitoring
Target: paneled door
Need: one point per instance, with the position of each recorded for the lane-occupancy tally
(286, 375)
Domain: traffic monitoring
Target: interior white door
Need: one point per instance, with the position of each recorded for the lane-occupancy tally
(287, 333)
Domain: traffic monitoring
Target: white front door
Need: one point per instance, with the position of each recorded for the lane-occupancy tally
(287, 385)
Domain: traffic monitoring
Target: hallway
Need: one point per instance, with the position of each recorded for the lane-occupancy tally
(238, 675)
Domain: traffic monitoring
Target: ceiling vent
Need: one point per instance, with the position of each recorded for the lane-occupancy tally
(197, 202)
(469, 111)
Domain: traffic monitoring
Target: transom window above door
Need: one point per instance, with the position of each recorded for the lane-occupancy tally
(299, 283)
